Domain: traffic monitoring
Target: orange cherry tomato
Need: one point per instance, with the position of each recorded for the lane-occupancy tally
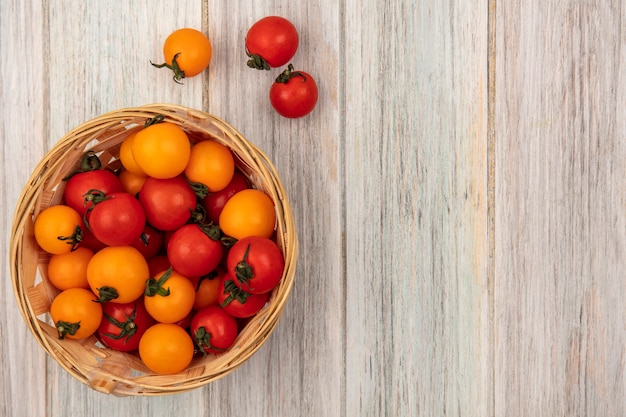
(118, 274)
(131, 182)
(162, 150)
(75, 313)
(249, 212)
(69, 270)
(166, 348)
(206, 289)
(126, 156)
(58, 229)
(169, 297)
(187, 53)
(211, 164)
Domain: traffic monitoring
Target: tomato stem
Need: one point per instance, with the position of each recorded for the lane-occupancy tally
(89, 162)
(203, 340)
(154, 287)
(128, 327)
(178, 73)
(199, 189)
(234, 293)
(64, 328)
(74, 239)
(212, 231)
(256, 61)
(243, 271)
(106, 294)
(288, 74)
(159, 118)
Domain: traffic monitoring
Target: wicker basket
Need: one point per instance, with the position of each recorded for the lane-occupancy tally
(103, 369)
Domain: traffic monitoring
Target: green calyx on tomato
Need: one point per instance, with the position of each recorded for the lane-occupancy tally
(159, 118)
(203, 340)
(199, 189)
(178, 73)
(288, 74)
(64, 328)
(89, 162)
(256, 61)
(74, 239)
(106, 294)
(234, 293)
(154, 287)
(212, 231)
(243, 270)
(127, 328)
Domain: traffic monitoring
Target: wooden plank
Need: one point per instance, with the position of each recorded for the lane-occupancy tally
(23, 127)
(560, 289)
(299, 370)
(97, 60)
(415, 178)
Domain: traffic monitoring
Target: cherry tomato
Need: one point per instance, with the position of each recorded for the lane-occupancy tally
(195, 250)
(161, 150)
(126, 156)
(169, 296)
(213, 329)
(118, 274)
(168, 203)
(158, 264)
(123, 325)
(294, 94)
(69, 270)
(256, 263)
(90, 241)
(131, 183)
(206, 288)
(214, 203)
(58, 229)
(238, 302)
(89, 177)
(116, 219)
(211, 164)
(166, 348)
(187, 53)
(75, 313)
(248, 213)
(271, 42)
(149, 243)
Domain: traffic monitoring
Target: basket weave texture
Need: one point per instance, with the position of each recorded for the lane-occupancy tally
(101, 368)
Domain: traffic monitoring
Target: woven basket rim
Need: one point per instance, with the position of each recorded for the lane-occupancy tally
(92, 364)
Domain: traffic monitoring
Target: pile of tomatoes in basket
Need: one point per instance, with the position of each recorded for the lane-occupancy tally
(168, 256)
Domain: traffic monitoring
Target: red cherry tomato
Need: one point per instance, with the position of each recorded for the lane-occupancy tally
(294, 94)
(271, 42)
(213, 329)
(214, 203)
(90, 177)
(195, 250)
(149, 243)
(256, 263)
(123, 325)
(116, 219)
(168, 203)
(238, 302)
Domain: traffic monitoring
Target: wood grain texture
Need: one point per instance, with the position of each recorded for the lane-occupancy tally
(460, 204)
(417, 325)
(560, 287)
(22, 129)
(300, 369)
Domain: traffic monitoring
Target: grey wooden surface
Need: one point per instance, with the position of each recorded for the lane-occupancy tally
(459, 192)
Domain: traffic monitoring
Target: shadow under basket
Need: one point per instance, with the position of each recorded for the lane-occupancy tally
(101, 368)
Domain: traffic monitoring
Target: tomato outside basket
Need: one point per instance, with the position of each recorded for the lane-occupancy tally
(101, 368)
